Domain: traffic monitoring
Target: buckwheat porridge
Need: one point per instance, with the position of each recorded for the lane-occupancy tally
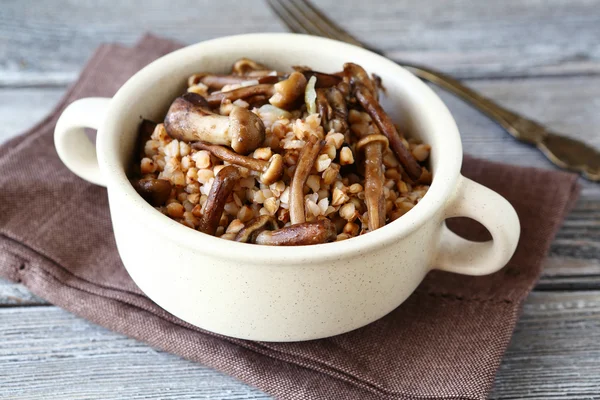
(273, 158)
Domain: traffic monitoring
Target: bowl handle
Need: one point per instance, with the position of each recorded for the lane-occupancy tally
(74, 148)
(493, 211)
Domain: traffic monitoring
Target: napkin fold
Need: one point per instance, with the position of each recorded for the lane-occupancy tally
(445, 342)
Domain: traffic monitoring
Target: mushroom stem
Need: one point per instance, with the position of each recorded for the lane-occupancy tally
(189, 119)
(374, 196)
(370, 104)
(217, 198)
(270, 171)
(307, 233)
(306, 160)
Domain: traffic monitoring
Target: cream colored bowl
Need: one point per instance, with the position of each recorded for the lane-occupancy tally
(284, 293)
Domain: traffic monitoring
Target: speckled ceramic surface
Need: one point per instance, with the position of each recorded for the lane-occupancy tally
(284, 294)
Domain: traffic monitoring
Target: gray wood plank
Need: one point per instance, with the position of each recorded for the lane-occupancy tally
(555, 352)
(17, 295)
(49, 42)
(22, 108)
(46, 352)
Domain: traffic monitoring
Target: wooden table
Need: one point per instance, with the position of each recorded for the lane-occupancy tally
(541, 58)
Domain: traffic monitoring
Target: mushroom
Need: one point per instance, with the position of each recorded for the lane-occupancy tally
(323, 108)
(270, 171)
(323, 80)
(373, 146)
(189, 119)
(288, 91)
(154, 191)
(306, 160)
(254, 227)
(244, 66)
(283, 94)
(356, 75)
(217, 81)
(339, 117)
(307, 233)
(217, 198)
(370, 104)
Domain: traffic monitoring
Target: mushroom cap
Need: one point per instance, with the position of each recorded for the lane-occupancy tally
(246, 129)
(288, 91)
(183, 120)
(273, 171)
(373, 138)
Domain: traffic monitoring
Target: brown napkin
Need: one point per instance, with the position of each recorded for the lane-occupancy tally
(445, 342)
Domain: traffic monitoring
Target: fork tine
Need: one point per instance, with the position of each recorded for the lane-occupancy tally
(300, 20)
(302, 13)
(321, 20)
(284, 15)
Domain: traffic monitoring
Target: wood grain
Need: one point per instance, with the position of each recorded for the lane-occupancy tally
(22, 108)
(555, 350)
(48, 43)
(46, 352)
(15, 294)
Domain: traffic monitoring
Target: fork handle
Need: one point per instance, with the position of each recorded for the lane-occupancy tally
(564, 152)
(507, 119)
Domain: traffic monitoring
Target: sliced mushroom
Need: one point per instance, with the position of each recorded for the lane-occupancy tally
(189, 119)
(254, 227)
(370, 104)
(283, 94)
(307, 233)
(306, 160)
(154, 191)
(373, 147)
(217, 198)
(270, 171)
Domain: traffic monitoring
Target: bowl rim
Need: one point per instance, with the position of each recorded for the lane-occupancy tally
(440, 191)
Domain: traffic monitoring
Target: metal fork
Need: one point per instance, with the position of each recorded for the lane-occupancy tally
(300, 16)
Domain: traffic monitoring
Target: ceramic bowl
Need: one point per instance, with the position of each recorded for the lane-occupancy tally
(284, 293)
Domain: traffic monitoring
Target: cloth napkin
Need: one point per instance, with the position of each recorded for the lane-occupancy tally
(445, 342)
